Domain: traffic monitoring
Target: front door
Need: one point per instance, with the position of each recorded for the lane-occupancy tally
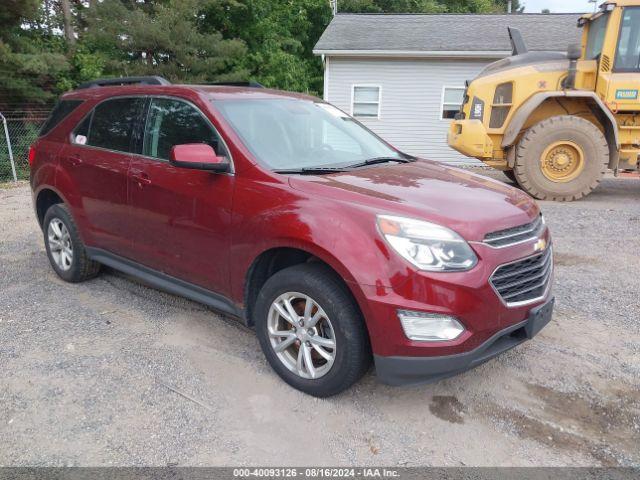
(97, 162)
(180, 217)
(624, 83)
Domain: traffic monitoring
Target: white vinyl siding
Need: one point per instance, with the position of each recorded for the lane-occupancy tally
(410, 102)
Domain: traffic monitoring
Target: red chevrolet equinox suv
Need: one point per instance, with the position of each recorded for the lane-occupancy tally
(281, 210)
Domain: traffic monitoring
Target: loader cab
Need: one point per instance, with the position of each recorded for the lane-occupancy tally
(612, 37)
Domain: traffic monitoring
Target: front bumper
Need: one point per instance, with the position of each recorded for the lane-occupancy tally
(416, 370)
(470, 138)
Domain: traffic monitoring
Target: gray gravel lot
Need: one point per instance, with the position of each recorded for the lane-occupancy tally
(111, 372)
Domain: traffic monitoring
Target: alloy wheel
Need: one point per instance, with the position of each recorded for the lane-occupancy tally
(301, 335)
(60, 244)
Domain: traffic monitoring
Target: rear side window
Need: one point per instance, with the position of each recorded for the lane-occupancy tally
(113, 123)
(60, 111)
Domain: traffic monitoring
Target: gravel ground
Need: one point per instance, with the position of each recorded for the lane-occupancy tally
(111, 372)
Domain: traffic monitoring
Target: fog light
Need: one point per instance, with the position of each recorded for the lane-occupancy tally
(429, 327)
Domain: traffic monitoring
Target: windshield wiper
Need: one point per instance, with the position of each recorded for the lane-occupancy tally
(312, 170)
(376, 160)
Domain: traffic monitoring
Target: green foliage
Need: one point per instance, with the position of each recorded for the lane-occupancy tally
(279, 35)
(22, 134)
(162, 38)
(423, 6)
(516, 6)
(270, 41)
(13, 11)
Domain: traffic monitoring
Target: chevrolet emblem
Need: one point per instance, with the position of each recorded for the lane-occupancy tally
(540, 245)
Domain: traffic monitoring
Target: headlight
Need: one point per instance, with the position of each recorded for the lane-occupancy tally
(426, 245)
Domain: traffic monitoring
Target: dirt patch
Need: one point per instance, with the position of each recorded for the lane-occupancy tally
(575, 423)
(447, 408)
(570, 260)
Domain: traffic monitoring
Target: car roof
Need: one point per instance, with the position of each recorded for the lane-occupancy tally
(214, 92)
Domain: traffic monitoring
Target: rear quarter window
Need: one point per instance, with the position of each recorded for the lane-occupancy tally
(59, 113)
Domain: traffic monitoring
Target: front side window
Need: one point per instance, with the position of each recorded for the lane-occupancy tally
(289, 133)
(595, 39)
(366, 101)
(173, 122)
(112, 124)
(628, 54)
(452, 98)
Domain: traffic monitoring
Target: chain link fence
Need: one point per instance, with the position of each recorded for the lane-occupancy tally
(18, 130)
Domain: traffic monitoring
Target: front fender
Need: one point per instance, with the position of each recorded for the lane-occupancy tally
(341, 234)
(599, 108)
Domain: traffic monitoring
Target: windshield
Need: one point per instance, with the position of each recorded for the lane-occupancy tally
(595, 40)
(288, 134)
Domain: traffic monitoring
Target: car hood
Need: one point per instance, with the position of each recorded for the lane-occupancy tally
(470, 204)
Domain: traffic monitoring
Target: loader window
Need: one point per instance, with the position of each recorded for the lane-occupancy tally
(595, 40)
(628, 54)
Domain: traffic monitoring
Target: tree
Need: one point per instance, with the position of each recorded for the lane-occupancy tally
(516, 7)
(68, 27)
(419, 6)
(280, 37)
(13, 11)
(31, 60)
(162, 38)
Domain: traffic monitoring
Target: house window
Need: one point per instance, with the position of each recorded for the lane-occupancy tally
(452, 98)
(366, 101)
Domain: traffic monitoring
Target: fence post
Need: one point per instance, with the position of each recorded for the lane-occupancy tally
(6, 133)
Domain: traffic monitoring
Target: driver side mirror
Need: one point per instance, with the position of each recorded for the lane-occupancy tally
(198, 156)
(574, 51)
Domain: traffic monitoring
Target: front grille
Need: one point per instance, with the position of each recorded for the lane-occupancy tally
(525, 279)
(510, 236)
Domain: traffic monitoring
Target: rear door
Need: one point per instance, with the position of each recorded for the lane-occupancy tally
(180, 218)
(97, 162)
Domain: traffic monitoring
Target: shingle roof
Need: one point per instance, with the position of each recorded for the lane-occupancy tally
(446, 33)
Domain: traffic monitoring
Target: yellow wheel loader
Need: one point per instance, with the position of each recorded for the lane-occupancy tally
(555, 122)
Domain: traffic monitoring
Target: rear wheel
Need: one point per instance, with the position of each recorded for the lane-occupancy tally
(65, 249)
(561, 158)
(310, 330)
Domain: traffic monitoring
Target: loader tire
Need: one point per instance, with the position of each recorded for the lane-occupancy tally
(561, 158)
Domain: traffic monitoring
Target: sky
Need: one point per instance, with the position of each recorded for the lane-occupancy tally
(558, 6)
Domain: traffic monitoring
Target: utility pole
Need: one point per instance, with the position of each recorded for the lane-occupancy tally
(334, 6)
(509, 3)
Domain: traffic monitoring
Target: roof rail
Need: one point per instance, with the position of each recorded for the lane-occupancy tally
(250, 84)
(107, 82)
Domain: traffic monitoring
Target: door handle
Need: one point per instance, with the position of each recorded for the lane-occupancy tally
(75, 160)
(141, 179)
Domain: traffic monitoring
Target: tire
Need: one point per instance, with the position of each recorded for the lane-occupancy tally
(582, 138)
(510, 175)
(73, 268)
(352, 352)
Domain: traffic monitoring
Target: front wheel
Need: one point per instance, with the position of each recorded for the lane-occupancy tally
(311, 331)
(561, 158)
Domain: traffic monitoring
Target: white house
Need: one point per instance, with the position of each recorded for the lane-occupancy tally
(404, 75)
